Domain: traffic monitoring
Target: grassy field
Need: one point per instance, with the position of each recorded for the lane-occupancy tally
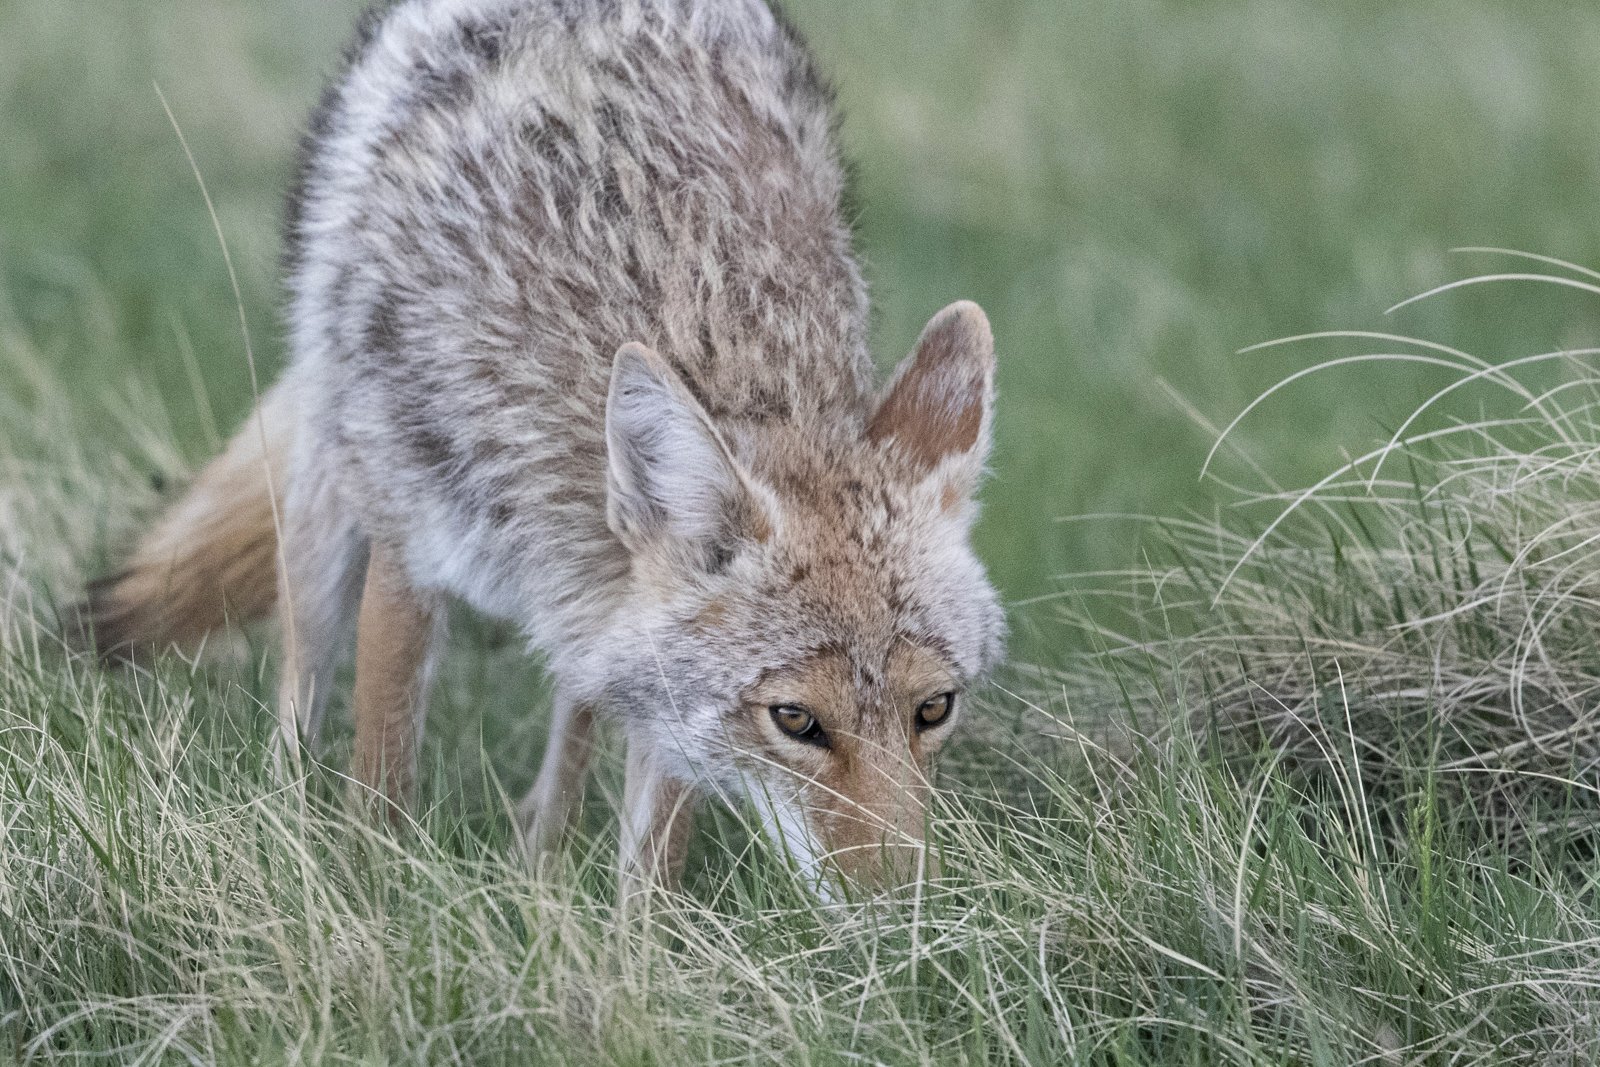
(1310, 791)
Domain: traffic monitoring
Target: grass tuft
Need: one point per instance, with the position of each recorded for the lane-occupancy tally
(1415, 628)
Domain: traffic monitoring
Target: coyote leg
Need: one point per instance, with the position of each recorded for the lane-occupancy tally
(550, 805)
(319, 589)
(657, 816)
(397, 637)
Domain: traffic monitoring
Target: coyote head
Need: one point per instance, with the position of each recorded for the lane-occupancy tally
(806, 617)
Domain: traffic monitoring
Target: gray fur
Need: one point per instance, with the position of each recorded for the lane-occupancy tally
(496, 197)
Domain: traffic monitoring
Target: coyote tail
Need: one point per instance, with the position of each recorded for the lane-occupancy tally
(211, 560)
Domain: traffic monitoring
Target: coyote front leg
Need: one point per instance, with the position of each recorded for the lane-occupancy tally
(550, 805)
(657, 816)
(397, 639)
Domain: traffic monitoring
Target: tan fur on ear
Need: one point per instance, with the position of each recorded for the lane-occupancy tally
(938, 402)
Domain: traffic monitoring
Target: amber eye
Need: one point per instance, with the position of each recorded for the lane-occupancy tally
(798, 723)
(935, 711)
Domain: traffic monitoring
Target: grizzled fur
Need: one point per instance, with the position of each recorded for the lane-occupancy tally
(579, 337)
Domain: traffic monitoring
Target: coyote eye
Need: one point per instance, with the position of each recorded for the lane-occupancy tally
(798, 723)
(936, 710)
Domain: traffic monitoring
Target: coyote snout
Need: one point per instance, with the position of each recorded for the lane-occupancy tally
(872, 842)
(842, 844)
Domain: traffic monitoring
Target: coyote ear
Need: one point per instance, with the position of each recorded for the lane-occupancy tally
(939, 405)
(669, 473)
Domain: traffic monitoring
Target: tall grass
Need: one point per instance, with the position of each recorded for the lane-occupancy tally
(1324, 798)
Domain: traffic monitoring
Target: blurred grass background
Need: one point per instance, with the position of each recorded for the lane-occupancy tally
(1134, 190)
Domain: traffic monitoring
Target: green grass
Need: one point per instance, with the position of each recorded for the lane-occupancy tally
(1332, 806)
(162, 899)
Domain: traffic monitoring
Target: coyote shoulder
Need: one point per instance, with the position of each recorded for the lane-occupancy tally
(579, 338)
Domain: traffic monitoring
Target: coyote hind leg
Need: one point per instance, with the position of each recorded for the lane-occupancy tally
(319, 583)
(398, 637)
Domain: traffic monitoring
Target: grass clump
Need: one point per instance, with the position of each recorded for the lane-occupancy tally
(1427, 609)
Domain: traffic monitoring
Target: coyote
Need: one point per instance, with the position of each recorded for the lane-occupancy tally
(579, 338)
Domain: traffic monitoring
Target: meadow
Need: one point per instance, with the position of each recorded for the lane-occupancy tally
(1296, 759)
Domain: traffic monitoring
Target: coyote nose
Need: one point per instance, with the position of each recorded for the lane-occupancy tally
(877, 841)
(892, 862)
